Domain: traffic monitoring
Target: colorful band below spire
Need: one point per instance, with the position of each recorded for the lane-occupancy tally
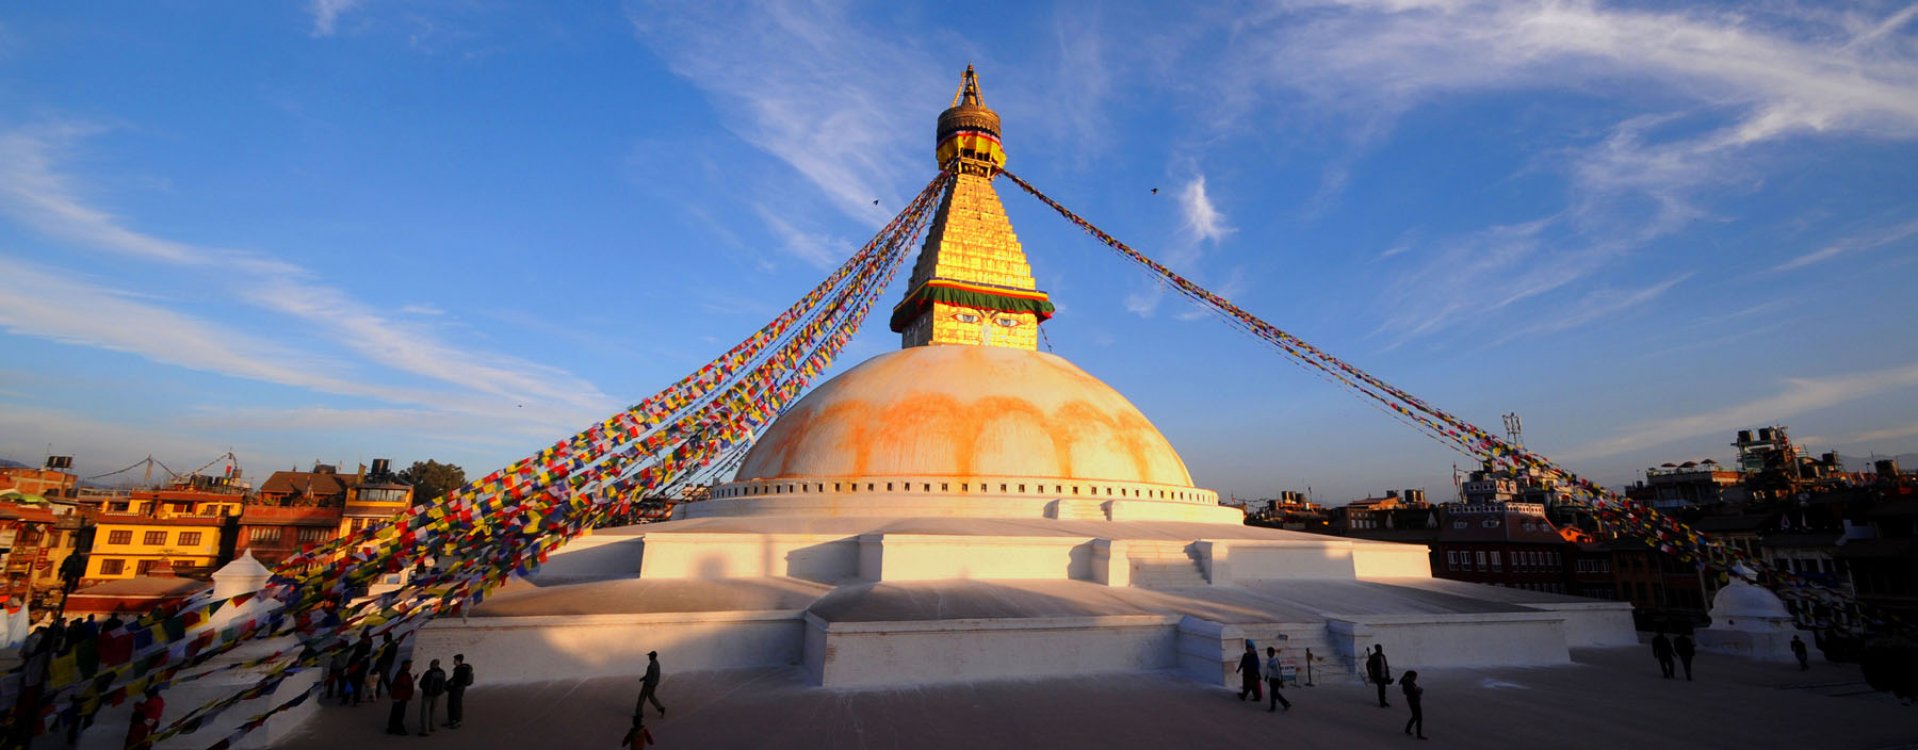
(962, 294)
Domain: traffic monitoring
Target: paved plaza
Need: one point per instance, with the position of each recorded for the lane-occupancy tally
(1610, 698)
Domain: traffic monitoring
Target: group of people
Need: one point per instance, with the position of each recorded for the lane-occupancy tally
(57, 638)
(1683, 649)
(1663, 649)
(364, 672)
(1377, 671)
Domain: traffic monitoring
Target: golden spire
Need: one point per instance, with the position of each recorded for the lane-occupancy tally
(972, 284)
(969, 131)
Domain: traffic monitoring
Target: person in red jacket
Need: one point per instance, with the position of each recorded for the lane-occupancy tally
(401, 691)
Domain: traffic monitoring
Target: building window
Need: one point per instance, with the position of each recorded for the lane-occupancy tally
(154, 538)
(313, 534)
(263, 535)
(119, 537)
(1481, 560)
(1495, 560)
(1451, 559)
(113, 567)
(189, 538)
(145, 567)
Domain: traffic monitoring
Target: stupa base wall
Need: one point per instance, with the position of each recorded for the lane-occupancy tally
(878, 654)
(535, 649)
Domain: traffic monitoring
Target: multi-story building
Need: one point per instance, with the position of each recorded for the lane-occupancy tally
(272, 533)
(380, 496)
(51, 481)
(293, 506)
(25, 530)
(1505, 544)
(130, 545)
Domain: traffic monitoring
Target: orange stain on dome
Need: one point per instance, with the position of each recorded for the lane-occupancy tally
(966, 412)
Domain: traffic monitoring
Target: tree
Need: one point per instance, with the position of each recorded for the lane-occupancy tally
(431, 479)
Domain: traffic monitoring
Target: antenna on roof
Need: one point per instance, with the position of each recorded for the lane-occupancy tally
(1514, 430)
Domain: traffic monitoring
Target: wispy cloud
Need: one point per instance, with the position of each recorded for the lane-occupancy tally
(35, 191)
(1713, 87)
(1876, 436)
(1800, 395)
(1855, 243)
(1203, 221)
(326, 14)
(1599, 304)
(810, 85)
(816, 250)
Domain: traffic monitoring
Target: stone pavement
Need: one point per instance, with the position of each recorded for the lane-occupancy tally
(1610, 698)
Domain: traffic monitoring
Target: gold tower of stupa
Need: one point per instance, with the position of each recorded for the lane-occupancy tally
(972, 285)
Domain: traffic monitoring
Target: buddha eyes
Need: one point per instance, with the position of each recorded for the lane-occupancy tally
(1004, 321)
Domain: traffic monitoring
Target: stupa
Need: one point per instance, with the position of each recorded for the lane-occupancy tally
(969, 508)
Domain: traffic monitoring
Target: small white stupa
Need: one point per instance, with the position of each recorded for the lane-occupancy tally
(245, 575)
(1750, 621)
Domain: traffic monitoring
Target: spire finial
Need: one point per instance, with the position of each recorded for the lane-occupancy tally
(968, 89)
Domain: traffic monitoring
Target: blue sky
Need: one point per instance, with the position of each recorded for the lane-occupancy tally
(342, 229)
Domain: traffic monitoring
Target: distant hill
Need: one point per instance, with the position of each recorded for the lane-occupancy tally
(11, 464)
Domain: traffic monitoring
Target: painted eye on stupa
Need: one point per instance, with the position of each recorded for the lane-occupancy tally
(965, 317)
(1007, 321)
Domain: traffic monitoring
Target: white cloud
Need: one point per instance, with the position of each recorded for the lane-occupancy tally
(819, 251)
(1866, 241)
(1144, 303)
(36, 192)
(433, 311)
(97, 447)
(1203, 221)
(76, 312)
(1599, 304)
(326, 14)
(1712, 88)
(1800, 395)
(842, 104)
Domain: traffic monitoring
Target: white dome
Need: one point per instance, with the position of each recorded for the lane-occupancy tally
(966, 411)
(1742, 600)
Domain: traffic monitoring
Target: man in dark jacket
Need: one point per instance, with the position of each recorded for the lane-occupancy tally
(1662, 651)
(1249, 673)
(432, 686)
(401, 690)
(456, 691)
(1798, 650)
(1379, 671)
(1685, 649)
(648, 685)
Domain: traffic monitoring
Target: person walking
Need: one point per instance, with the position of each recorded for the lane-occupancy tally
(1662, 651)
(1249, 673)
(1379, 671)
(1274, 674)
(456, 691)
(432, 686)
(401, 691)
(1414, 699)
(649, 686)
(383, 665)
(1798, 650)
